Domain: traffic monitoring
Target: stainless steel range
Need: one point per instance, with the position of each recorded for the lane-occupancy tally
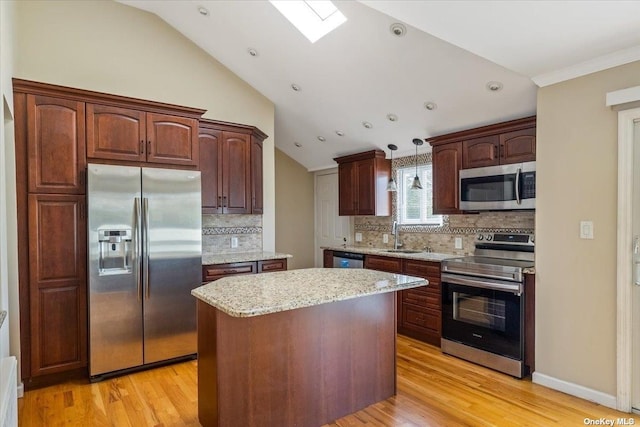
(483, 302)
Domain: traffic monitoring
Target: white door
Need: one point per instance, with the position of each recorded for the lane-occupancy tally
(331, 229)
(635, 329)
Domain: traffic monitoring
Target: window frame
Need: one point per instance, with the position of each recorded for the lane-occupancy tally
(408, 173)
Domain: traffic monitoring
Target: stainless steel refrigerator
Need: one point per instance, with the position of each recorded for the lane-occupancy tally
(145, 256)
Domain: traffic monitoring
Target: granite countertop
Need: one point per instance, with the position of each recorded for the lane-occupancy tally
(423, 256)
(3, 315)
(255, 295)
(241, 257)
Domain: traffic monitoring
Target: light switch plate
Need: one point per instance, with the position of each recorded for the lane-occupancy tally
(234, 242)
(385, 238)
(586, 229)
(458, 242)
(358, 237)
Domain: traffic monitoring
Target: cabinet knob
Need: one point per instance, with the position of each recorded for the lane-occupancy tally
(141, 147)
(149, 147)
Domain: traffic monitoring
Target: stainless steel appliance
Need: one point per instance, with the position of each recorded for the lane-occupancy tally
(347, 260)
(504, 187)
(145, 256)
(483, 302)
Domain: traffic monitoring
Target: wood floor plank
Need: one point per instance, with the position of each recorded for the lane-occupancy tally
(433, 390)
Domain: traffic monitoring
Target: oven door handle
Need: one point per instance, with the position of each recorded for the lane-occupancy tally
(514, 288)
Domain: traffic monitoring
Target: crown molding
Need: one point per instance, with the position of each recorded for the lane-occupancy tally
(594, 65)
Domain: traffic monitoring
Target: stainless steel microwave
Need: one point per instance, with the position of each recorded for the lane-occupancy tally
(504, 187)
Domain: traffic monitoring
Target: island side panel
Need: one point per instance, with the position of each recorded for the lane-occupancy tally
(303, 367)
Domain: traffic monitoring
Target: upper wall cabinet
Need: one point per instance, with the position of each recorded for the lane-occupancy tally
(116, 133)
(362, 184)
(55, 144)
(231, 167)
(498, 144)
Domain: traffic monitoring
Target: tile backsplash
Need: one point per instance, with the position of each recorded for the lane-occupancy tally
(441, 238)
(217, 231)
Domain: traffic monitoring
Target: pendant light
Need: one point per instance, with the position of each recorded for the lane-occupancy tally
(391, 186)
(416, 181)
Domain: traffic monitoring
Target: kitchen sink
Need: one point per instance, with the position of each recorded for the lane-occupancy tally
(403, 251)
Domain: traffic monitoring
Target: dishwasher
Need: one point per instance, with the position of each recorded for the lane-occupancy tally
(347, 260)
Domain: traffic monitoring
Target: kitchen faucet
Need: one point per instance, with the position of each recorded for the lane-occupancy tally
(396, 232)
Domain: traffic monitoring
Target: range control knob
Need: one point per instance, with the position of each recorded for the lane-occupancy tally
(489, 237)
(480, 237)
(532, 239)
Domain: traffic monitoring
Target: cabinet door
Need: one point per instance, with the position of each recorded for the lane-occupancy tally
(236, 173)
(266, 266)
(172, 140)
(348, 189)
(55, 145)
(115, 133)
(447, 159)
(518, 146)
(209, 141)
(366, 188)
(57, 282)
(480, 152)
(381, 263)
(257, 205)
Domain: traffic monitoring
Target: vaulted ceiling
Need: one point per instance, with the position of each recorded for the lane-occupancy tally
(362, 72)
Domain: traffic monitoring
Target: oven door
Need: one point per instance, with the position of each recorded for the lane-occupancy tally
(485, 316)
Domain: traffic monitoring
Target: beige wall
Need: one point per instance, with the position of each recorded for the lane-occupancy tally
(294, 211)
(576, 180)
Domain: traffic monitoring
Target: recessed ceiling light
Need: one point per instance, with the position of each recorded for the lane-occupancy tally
(339, 133)
(367, 125)
(494, 86)
(392, 117)
(203, 11)
(322, 139)
(296, 87)
(430, 106)
(398, 29)
(252, 52)
(297, 144)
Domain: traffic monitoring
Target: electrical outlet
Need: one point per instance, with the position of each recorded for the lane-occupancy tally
(385, 238)
(234, 242)
(586, 229)
(458, 242)
(358, 237)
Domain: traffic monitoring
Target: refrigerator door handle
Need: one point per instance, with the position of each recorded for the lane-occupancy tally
(136, 245)
(145, 259)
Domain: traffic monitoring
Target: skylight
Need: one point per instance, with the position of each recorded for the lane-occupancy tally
(313, 18)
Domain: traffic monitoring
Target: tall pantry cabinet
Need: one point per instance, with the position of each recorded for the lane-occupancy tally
(54, 126)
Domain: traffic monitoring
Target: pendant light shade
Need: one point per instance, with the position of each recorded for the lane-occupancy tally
(416, 185)
(391, 185)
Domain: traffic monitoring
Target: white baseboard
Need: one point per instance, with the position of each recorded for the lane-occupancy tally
(20, 389)
(582, 392)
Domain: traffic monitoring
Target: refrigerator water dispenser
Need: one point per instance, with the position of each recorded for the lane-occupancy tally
(115, 253)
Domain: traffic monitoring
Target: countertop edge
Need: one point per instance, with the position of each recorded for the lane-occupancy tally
(421, 256)
(231, 258)
(415, 282)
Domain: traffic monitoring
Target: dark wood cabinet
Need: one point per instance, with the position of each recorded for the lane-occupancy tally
(57, 283)
(362, 184)
(502, 143)
(55, 133)
(231, 168)
(217, 271)
(420, 313)
(518, 146)
(481, 152)
(447, 162)
(327, 258)
(117, 133)
(381, 263)
(257, 201)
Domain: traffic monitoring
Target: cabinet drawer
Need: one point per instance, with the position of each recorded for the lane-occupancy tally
(421, 298)
(426, 269)
(420, 318)
(391, 265)
(272, 265)
(214, 272)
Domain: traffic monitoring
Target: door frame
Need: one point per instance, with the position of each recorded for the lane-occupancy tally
(626, 119)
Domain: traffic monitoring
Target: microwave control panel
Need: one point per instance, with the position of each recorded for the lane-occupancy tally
(528, 185)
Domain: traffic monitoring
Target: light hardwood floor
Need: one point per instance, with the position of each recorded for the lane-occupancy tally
(433, 390)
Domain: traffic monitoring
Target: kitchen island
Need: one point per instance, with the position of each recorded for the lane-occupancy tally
(296, 348)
